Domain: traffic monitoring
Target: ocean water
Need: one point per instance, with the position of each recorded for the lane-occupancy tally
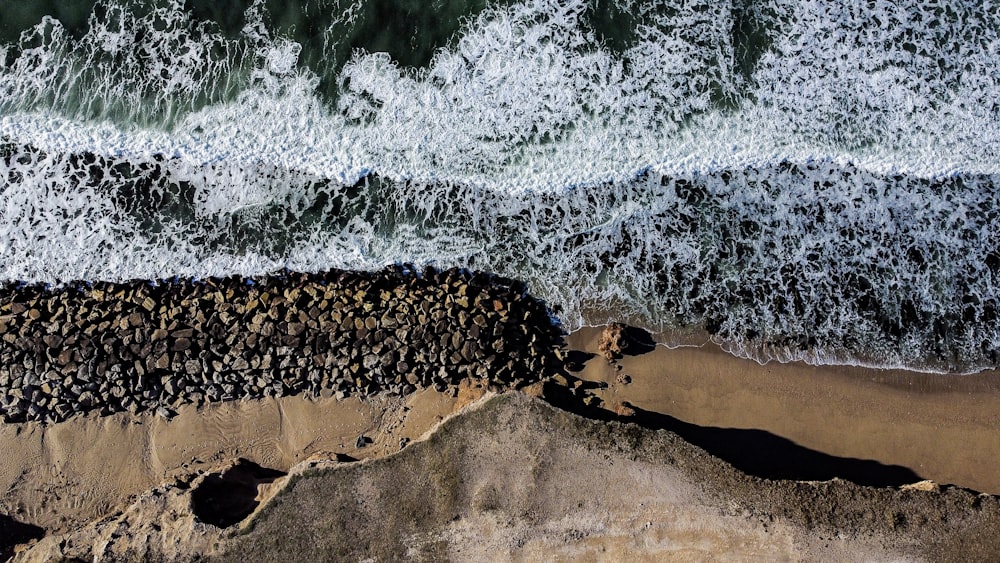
(800, 179)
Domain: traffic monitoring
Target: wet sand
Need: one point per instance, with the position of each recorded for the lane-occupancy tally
(943, 428)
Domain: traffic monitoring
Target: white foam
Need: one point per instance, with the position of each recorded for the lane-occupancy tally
(528, 148)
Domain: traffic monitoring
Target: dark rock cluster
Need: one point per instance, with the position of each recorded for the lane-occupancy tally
(152, 346)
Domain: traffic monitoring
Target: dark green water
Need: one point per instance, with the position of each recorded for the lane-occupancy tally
(804, 179)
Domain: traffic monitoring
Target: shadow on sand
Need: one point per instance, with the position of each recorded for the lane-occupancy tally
(13, 533)
(755, 452)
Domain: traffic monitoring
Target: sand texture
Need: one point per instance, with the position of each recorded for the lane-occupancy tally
(63, 476)
(513, 478)
(797, 421)
(682, 454)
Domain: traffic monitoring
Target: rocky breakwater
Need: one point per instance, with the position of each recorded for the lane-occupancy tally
(152, 346)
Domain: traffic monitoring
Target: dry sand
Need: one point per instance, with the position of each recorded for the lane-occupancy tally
(65, 475)
(777, 420)
(515, 479)
(944, 428)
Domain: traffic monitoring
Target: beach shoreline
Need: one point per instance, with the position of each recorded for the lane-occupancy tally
(781, 422)
(942, 427)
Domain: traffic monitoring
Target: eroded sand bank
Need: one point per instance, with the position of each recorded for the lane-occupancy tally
(513, 478)
(791, 421)
(64, 475)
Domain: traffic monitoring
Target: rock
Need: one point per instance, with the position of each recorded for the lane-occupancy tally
(560, 380)
(469, 350)
(65, 358)
(624, 409)
(612, 344)
(389, 332)
(162, 362)
(170, 387)
(87, 399)
(135, 320)
(387, 361)
(926, 486)
(52, 340)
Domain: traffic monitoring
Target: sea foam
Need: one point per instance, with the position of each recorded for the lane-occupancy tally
(806, 180)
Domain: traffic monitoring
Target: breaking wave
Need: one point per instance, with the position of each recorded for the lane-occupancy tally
(802, 179)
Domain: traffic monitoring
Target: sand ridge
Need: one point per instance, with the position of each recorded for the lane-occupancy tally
(71, 473)
(64, 475)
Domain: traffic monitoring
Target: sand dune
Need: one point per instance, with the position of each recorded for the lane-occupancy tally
(65, 475)
(513, 478)
(808, 427)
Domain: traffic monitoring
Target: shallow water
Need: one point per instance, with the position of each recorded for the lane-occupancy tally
(803, 179)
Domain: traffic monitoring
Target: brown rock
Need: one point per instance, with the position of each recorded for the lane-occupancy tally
(135, 319)
(624, 409)
(613, 341)
(52, 340)
(163, 362)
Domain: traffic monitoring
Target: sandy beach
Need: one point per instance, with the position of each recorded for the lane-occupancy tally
(941, 427)
(783, 423)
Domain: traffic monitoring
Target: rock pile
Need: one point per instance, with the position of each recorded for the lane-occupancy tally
(152, 346)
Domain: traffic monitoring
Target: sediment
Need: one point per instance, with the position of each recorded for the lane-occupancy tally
(152, 346)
